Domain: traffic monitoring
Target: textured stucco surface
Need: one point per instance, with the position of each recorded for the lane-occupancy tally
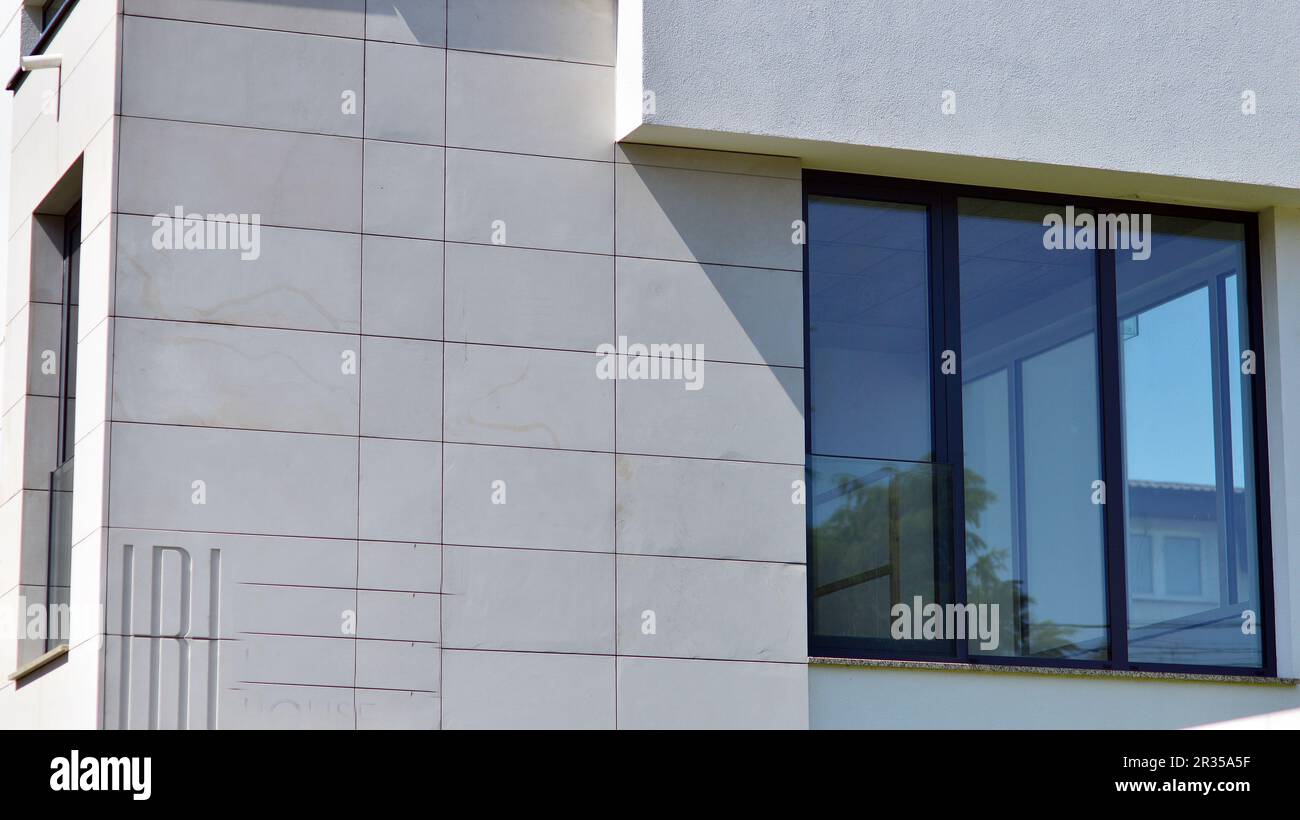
(1152, 88)
(854, 698)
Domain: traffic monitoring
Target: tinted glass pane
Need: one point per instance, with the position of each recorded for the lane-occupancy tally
(59, 586)
(50, 11)
(1182, 566)
(869, 329)
(1189, 465)
(1140, 576)
(878, 531)
(1035, 544)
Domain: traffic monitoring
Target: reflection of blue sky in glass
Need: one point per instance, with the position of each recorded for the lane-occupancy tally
(1192, 575)
(1031, 431)
(1235, 348)
(1168, 393)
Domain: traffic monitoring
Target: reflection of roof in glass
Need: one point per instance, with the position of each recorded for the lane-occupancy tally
(1193, 502)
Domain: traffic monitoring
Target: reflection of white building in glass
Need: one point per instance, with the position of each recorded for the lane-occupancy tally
(332, 448)
(1177, 571)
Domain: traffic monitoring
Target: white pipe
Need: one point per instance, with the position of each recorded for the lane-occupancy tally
(36, 61)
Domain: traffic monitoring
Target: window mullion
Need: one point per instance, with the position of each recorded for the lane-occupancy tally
(1112, 457)
(947, 336)
(1259, 450)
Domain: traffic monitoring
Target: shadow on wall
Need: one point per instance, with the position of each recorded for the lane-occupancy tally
(425, 22)
(420, 22)
(738, 227)
(747, 240)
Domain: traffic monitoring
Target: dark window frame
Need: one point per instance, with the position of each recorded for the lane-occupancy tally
(65, 436)
(946, 398)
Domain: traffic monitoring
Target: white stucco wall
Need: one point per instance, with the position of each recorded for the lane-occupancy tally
(851, 698)
(1152, 89)
(1280, 291)
(57, 119)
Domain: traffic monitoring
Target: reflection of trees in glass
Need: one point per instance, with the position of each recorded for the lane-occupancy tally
(880, 542)
(875, 549)
(987, 582)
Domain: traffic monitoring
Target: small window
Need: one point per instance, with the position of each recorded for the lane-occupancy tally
(59, 571)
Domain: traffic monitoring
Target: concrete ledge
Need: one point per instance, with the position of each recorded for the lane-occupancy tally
(33, 665)
(993, 172)
(1086, 94)
(1049, 671)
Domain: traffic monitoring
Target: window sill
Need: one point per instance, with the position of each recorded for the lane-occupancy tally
(39, 663)
(1054, 671)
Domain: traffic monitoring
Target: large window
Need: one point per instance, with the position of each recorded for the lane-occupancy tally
(1032, 431)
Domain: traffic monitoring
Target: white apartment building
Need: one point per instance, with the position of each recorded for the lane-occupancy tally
(650, 364)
